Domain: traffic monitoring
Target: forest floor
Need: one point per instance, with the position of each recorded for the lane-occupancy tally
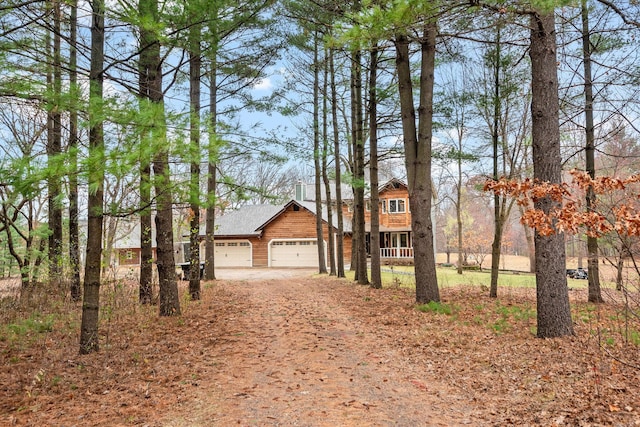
(305, 350)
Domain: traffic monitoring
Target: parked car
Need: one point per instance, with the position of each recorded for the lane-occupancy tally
(579, 273)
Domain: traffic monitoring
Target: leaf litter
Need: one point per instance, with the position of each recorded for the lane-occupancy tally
(320, 351)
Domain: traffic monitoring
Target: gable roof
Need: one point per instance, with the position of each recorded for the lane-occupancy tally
(127, 234)
(393, 183)
(250, 220)
(245, 221)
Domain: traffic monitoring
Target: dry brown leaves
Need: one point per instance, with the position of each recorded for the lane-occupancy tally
(322, 351)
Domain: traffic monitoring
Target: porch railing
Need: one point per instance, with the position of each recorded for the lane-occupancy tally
(396, 252)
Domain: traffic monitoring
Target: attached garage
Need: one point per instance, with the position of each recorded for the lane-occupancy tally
(270, 236)
(294, 253)
(236, 253)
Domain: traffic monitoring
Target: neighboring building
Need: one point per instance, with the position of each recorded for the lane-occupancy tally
(126, 244)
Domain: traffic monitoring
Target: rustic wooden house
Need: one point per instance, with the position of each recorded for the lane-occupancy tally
(272, 236)
(395, 220)
(285, 235)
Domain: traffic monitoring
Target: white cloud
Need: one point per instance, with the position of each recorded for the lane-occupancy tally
(263, 84)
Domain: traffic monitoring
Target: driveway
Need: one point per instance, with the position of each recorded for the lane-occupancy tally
(262, 273)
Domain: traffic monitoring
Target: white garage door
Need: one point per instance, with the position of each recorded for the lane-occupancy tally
(294, 253)
(233, 254)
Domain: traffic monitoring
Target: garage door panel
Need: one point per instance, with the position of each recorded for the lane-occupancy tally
(233, 254)
(294, 253)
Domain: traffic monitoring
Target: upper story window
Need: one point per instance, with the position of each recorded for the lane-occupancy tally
(397, 206)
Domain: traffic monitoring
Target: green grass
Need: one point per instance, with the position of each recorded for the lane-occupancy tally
(436, 307)
(35, 323)
(403, 276)
(26, 330)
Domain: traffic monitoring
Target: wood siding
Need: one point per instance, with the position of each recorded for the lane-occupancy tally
(400, 221)
(289, 225)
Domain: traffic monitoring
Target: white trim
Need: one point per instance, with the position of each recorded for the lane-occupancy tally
(397, 205)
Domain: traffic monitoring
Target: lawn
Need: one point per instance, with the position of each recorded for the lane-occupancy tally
(449, 277)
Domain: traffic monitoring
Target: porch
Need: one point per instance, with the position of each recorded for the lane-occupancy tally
(396, 252)
(394, 245)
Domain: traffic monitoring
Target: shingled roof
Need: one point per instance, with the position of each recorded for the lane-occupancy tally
(245, 221)
(249, 220)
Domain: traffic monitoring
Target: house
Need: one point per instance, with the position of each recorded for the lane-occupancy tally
(285, 235)
(395, 218)
(272, 236)
(395, 221)
(125, 243)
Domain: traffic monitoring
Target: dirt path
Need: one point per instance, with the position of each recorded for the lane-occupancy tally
(296, 356)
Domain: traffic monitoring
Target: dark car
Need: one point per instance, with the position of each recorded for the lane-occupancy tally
(579, 273)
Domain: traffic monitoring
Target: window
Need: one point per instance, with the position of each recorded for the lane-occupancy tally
(367, 205)
(278, 243)
(245, 244)
(397, 206)
(129, 255)
(232, 244)
(384, 206)
(290, 243)
(218, 244)
(399, 240)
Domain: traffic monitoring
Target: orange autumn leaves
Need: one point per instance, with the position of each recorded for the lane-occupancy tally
(568, 212)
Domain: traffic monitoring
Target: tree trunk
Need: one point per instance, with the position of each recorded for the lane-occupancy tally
(210, 219)
(54, 149)
(322, 264)
(461, 259)
(169, 299)
(194, 184)
(146, 243)
(89, 339)
(417, 144)
(357, 132)
(325, 171)
(145, 293)
(497, 219)
(593, 266)
(374, 239)
(337, 162)
(554, 312)
(74, 239)
(619, 269)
